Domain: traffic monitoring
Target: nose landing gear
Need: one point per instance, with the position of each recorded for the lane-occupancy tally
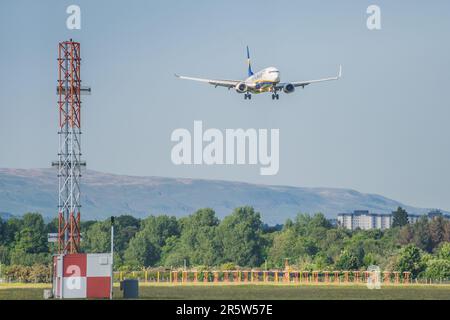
(248, 96)
(275, 95)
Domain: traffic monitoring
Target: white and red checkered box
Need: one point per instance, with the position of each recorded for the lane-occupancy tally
(82, 275)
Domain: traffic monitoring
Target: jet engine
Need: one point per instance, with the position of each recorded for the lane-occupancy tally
(288, 88)
(241, 87)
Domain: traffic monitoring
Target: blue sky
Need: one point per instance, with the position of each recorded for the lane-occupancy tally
(383, 129)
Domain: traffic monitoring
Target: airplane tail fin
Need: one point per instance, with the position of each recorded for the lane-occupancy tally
(250, 72)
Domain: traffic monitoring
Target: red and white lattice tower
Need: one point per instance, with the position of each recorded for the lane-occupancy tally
(69, 91)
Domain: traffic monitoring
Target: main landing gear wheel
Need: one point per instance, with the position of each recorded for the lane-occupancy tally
(248, 96)
(275, 96)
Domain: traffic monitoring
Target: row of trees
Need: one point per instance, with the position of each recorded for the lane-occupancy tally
(241, 239)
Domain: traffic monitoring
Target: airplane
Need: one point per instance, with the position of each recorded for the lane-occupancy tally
(266, 80)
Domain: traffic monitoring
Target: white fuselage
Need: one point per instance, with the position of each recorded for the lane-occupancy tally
(263, 81)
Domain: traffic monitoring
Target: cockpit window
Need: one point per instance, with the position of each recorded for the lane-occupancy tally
(274, 71)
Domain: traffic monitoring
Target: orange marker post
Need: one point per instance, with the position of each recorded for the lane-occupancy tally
(346, 276)
(336, 276)
(397, 277)
(306, 276)
(406, 276)
(356, 276)
(387, 277)
(175, 277)
(287, 277)
(366, 275)
(315, 276)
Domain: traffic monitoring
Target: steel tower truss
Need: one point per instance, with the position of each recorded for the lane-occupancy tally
(69, 162)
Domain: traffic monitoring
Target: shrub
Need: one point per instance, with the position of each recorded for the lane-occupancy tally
(18, 273)
(228, 266)
(410, 259)
(444, 251)
(38, 273)
(438, 269)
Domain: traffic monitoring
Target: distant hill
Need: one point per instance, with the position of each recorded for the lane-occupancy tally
(103, 195)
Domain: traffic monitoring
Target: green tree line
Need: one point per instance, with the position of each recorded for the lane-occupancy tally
(241, 239)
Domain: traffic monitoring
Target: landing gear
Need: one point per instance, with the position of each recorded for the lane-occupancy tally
(275, 95)
(248, 96)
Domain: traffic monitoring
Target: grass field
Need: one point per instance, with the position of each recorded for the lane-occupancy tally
(256, 292)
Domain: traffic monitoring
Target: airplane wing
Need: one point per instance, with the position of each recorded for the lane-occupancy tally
(217, 83)
(305, 83)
